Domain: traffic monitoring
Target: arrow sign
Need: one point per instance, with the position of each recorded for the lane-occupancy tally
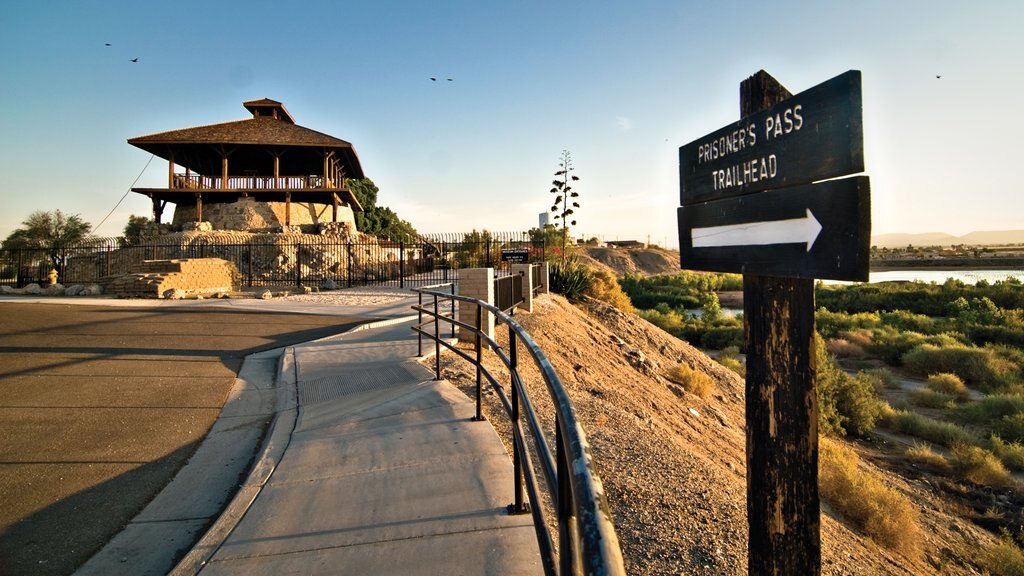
(793, 231)
(818, 230)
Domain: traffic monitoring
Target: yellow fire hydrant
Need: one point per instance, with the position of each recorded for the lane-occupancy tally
(52, 276)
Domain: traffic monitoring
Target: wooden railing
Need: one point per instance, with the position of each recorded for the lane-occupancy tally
(199, 182)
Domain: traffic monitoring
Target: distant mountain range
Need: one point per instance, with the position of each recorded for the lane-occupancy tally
(984, 238)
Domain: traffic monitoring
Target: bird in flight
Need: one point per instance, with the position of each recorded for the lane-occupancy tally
(107, 44)
(135, 59)
(938, 75)
(432, 79)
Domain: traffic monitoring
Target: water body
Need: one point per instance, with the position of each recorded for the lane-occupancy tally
(939, 276)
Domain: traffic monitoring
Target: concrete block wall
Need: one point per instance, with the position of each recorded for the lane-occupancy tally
(524, 271)
(476, 283)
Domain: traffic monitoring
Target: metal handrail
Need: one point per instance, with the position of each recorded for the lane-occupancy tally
(587, 543)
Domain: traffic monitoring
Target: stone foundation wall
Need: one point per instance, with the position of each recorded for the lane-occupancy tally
(251, 215)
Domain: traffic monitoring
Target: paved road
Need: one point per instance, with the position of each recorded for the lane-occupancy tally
(100, 406)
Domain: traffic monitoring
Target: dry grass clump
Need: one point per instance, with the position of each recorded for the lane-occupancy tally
(980, 466)
(604, 287)
(1010, 453)
(1003, 559)
(949, 384)
(730, 358)
(928, 398)
(693, 381)
(843, 348)
(913, 424)
(883, 513)
(922, 454)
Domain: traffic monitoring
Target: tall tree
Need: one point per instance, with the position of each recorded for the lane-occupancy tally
(565, 204)
(50, 230)
(379, 221)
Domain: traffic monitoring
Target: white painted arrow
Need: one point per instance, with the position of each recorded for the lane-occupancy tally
(792, 231)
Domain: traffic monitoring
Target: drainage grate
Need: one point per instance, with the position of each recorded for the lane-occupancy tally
(366, 380)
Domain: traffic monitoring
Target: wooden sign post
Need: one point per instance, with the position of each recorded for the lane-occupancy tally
(749, 206)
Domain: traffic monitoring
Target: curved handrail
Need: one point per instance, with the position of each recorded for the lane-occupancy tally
(587, 543)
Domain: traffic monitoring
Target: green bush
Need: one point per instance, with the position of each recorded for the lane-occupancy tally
(979, 466)
(571, 279)
(908, 322)
(846, 404)
(719, 337)
(1000, 414)
(944, 433)
(927, 398)
(975, 366)
(949, 384)
(1010, 453)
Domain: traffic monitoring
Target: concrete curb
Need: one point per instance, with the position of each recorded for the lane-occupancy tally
(271, 451)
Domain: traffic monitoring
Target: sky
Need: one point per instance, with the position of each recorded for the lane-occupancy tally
(620, 85)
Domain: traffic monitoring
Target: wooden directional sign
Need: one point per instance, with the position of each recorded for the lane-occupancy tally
(813, 231)
(814, 135)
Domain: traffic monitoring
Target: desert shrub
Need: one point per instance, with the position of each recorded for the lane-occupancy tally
(892, 345)
(669, 321)
(927, 398)
(950, 384)
(883, 513)
(571, 279)
(693, 381)
(885, 378)
(979, 466)
(846, 404)
(843, 348)
(922, 454)
(975, 366)
(862, 338)
(913, 424)
(735, 365)
(719, 337)
(730, 358)
(908, 321)
(1011, 454)
(1000, 414)
(606, 289)
(1003, 559)
(831, 324)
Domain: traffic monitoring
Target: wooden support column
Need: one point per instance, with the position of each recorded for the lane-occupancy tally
(158, 210)
(224, 172)
(170, 173)
(277, 171)
(783, 509)
(334, 207)
(199, 207)
(288, 208)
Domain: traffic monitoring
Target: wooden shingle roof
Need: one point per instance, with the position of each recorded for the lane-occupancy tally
(200, 148)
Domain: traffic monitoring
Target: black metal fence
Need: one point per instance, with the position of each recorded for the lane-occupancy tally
(560, 470)
(280, 260)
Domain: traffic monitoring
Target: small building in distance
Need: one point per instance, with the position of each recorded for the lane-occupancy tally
(261, 174)
(625, 244)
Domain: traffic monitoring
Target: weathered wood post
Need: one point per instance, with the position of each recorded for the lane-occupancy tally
(783, 509)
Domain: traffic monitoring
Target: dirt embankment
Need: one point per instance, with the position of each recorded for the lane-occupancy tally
(622, 261)
(673, 464)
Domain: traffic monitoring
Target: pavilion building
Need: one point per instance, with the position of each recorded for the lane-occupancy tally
(265, 173)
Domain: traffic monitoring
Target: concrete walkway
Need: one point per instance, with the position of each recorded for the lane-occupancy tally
(371, 467)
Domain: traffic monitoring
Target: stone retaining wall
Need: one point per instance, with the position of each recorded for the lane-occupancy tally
(159, 278)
